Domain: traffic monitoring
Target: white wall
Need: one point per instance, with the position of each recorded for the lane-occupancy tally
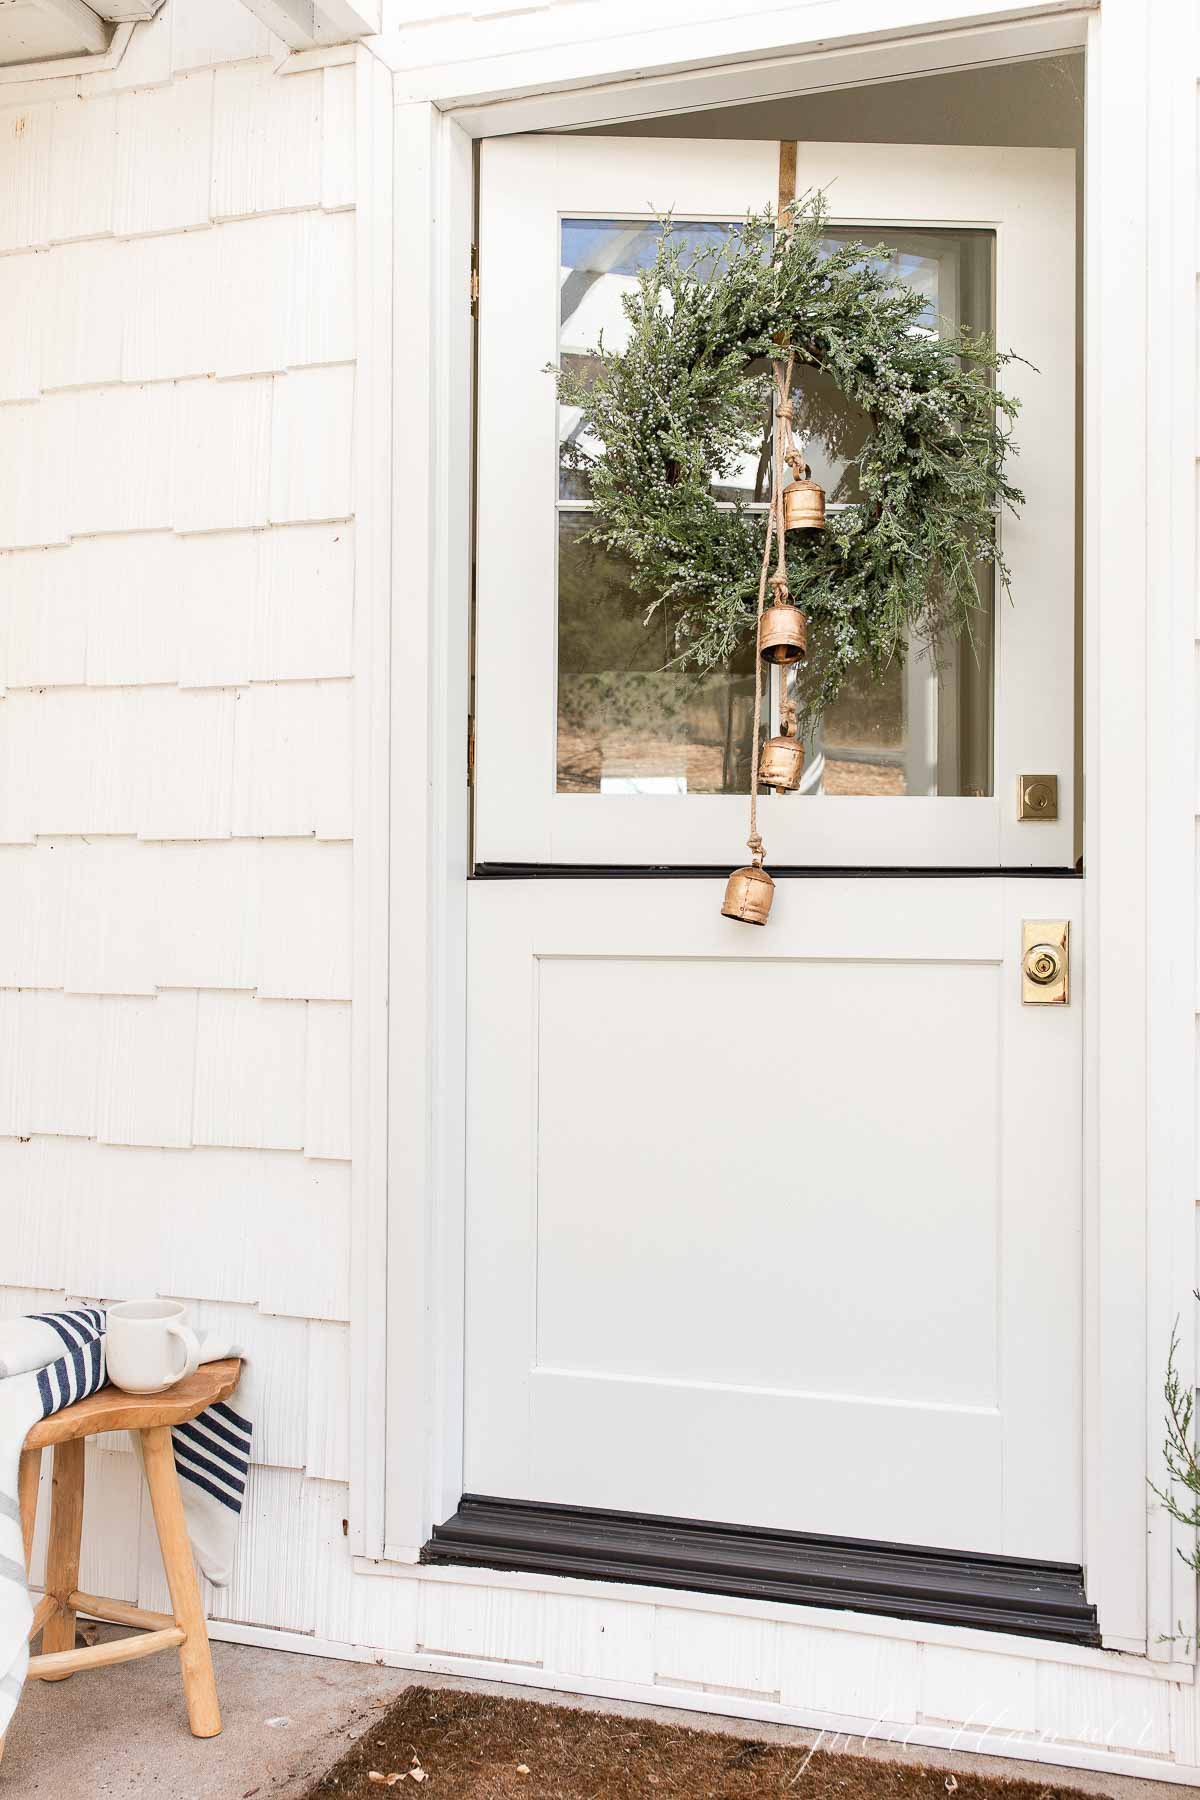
(176, 603)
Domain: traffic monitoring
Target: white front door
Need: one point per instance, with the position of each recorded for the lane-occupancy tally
(780, 1228)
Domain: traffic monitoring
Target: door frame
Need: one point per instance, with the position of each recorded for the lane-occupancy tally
(415, 130)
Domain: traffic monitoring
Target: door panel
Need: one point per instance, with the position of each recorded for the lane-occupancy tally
(825, 1137)
(782, 1232)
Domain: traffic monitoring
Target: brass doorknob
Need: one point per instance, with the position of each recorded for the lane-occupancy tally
(1043, 963)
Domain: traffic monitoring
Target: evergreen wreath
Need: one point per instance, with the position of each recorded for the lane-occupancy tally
(682, 404)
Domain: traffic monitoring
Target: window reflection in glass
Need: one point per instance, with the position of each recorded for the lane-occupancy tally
(601, 259)
(629, 720)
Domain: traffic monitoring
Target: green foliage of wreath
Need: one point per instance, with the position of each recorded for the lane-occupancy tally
(685, 401)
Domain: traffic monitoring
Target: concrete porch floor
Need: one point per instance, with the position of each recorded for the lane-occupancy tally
(123, 1731)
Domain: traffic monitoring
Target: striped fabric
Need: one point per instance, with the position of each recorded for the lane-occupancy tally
(48, 1361)
(213, 1453)
(81, 1371)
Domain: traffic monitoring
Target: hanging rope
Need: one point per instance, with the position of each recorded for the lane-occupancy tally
(790, 454)
(789, 151)
(781, 441)
(786, 452)
(783, 449)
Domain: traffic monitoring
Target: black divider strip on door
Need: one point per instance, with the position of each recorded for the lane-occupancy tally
(498, 871)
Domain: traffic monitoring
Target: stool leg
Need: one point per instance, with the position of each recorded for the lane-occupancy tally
(195, 1657)
(62, 1551)
(29, 1472)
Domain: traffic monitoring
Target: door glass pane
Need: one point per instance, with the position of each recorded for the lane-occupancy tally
(601, 260)
(629, 719)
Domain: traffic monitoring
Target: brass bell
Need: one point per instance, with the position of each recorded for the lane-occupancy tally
(748, 895)
(781, 763)
(804, 506)
(782, 634)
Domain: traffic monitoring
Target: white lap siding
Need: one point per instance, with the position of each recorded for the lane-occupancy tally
(176, 595)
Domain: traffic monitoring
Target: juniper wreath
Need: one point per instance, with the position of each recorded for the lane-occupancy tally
(681, 405)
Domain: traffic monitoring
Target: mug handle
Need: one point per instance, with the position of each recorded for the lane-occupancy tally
(191, 1351)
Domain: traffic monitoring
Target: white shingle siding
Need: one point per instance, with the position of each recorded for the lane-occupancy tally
(164, 156)
(20, 342)
(82, 168)
(146, 1073)
(269, 760)
(311, 451)
(291, 774)
(108, 915)
(327, 1080)
(326, 1450)
(267, 147)
(155, 608)
(26, 134)
(195, 455)
(177, 264)
(32, 499)
(254, 1228)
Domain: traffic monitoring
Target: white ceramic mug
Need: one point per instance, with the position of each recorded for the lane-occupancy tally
(148, 1347)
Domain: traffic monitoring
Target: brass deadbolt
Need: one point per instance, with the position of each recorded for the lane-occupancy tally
(1045, 962)
(1037, 797)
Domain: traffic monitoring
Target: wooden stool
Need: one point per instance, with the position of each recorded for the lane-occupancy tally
(152, 1416)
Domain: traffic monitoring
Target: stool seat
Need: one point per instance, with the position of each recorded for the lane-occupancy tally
(184, 1629)
(114, 1410)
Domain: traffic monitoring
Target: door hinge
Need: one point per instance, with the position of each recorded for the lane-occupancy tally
(474, 281)
(470, 751)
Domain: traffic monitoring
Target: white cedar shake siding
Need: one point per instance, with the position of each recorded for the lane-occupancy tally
(177, 278)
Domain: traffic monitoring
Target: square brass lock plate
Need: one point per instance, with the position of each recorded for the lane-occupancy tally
(1037, 797)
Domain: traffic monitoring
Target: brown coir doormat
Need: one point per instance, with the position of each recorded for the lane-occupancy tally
(462, 1746)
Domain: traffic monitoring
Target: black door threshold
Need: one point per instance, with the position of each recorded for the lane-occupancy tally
(901, 1581)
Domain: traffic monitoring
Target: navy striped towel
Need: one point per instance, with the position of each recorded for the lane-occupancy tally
(51, 1359)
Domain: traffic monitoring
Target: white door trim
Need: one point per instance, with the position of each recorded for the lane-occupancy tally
(637, 67)
(374, 375)
(1173, 257)
(1140, 523)
(412, 604)
(1139, 837)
